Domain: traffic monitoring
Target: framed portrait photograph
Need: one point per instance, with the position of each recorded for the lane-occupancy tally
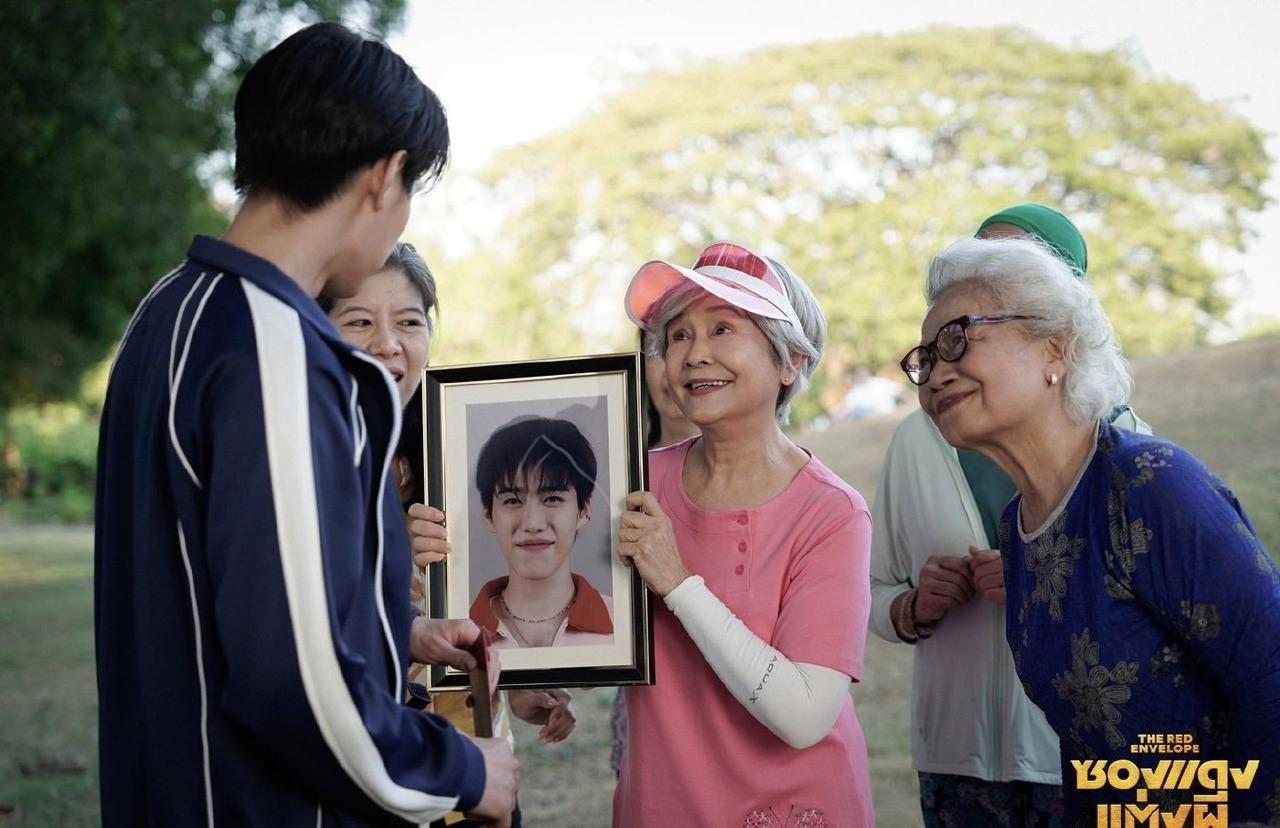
(531, 463)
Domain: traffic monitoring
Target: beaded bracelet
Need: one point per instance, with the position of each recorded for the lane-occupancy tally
(922, 630)
(902, 618)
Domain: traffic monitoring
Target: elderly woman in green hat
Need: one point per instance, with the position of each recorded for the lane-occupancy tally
(984, 753)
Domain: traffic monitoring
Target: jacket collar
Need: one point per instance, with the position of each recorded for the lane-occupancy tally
(589, 613)
(219, 255)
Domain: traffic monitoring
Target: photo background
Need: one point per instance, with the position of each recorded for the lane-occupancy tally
(592, 554)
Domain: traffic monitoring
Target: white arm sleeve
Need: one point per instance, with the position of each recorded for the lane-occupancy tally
(890, 560)
(799, 703)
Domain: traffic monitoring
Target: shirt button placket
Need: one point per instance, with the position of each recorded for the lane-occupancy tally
(741, 569)
(739, 579)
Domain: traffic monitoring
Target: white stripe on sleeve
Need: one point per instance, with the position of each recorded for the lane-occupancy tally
(204, 687)
(382, 485)
(160, 285)
(282, 366)
(175, 374)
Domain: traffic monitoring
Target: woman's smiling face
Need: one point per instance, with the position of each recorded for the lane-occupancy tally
(720, 364)
(387, 319)
(998, 383)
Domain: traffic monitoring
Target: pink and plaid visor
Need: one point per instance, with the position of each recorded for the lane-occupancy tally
(724, 269)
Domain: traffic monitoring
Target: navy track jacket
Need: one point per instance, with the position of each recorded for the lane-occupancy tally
(252, 570)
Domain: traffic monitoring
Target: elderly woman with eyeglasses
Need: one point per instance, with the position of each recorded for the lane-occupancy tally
(760, 555)
(983, 752)
(1140, 603)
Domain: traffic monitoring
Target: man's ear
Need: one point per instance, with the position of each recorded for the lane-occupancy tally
(584, 516)
(488, 520)
(385, 178)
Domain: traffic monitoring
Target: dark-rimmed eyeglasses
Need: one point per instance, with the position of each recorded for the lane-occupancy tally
(949, 345)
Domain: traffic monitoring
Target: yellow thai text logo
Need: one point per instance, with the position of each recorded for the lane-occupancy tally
(1214, 778)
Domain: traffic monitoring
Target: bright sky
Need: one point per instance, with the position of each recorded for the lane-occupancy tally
(512, 70)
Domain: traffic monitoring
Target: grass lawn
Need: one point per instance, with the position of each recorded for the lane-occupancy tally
(47, 690)
(1214, 402)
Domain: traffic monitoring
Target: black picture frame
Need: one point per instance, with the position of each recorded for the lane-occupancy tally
(604, 395)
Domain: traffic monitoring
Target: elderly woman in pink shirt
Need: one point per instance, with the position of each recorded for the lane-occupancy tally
(760, 554)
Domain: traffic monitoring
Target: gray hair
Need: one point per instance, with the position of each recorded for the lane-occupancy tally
(785, 341)
(1027, 279)
(406, 259)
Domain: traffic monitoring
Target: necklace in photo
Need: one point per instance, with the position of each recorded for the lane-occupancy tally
(507, 609)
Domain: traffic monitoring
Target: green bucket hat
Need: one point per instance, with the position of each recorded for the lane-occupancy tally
(1050, 227)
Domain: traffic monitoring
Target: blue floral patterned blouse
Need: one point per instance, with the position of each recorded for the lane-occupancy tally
(1146, 606)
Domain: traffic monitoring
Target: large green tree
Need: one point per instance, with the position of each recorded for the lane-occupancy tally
(854, 161)
(114, 115)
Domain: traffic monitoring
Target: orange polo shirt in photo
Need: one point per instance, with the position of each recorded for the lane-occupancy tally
(590, 620)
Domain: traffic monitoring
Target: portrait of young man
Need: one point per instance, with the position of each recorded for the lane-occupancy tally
(535, 478)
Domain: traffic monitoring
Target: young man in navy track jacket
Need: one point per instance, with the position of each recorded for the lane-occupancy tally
(252, 610)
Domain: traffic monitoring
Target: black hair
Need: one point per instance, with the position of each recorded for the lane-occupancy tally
(326, 103)
(555, 449)
(410, 448)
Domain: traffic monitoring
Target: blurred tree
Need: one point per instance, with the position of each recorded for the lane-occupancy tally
(854, 161)
(115, 113)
